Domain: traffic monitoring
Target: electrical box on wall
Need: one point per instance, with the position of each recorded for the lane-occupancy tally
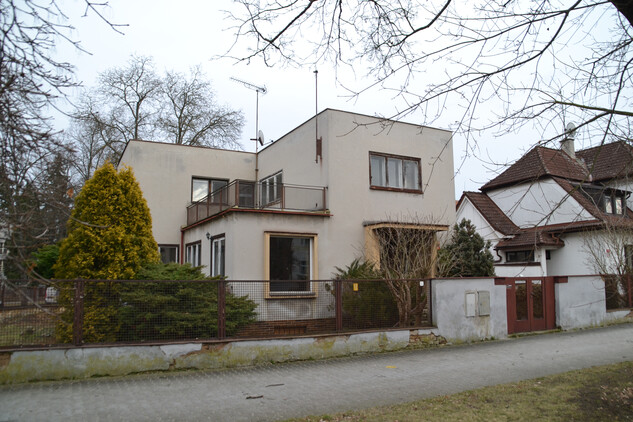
(477, 303)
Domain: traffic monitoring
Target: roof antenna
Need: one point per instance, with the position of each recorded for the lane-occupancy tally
(259, 135)
(319, 141)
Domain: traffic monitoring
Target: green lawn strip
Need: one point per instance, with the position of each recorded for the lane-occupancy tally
(602, 393)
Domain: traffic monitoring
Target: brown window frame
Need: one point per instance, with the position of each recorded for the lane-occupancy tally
(403, 158)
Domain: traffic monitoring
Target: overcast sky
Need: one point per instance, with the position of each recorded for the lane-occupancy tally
(181, 34)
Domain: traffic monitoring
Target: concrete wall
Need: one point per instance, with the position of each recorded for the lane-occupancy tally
(25, 366)
(449, 309)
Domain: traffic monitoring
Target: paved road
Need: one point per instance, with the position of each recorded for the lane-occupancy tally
(299, 389)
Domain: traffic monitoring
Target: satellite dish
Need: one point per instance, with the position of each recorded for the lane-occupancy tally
(570, 129)
(260, 137)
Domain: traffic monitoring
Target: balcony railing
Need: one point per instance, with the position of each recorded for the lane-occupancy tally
(246, 194)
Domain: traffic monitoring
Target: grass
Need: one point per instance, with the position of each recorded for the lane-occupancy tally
(27, 327)
(602, 393)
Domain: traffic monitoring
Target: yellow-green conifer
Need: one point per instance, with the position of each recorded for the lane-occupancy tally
(109, 238)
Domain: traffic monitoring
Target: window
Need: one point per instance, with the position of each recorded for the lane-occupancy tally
(520, 256)
(613, 204)
(271, 189)
(201, 188)
(394, 172)
(217, 255)
(193, 253)
(168, 253)
(291, 261)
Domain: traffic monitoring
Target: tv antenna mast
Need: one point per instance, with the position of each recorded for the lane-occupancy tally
(259, 136)
(259, 139)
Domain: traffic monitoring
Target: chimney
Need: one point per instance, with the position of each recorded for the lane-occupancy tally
(567, 144)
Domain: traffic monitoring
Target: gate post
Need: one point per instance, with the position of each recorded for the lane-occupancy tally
(221, 309)
(338, 295)
(78, 313)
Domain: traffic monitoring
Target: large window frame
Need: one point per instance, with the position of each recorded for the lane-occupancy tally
(218, 255)
(193, 253)
(520, 256)
(392, 172)
(280, 285)
(202, 187)
(169, 253)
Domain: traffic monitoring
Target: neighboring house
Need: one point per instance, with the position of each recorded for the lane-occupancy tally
(555, 212)
(300, 207)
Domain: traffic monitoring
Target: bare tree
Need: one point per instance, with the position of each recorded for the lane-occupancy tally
(129, 95)
(31, 81)
(407, 254)
(610, 252)
(134, 102)
(190, 115)
(501, 63)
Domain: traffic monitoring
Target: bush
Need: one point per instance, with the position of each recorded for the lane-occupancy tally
(370, 306)
(177, 310)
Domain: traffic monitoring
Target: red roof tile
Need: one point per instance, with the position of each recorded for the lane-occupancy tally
(608, 161)
(537, 163)
(491, 212)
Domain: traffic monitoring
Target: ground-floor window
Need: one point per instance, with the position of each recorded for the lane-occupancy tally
(168, 253)
(291, 263)
(193, 253)
(218, 246)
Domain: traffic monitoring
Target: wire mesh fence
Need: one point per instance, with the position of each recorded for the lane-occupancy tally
(77, 312)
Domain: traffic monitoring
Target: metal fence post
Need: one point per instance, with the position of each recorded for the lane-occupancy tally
(338, 294)
(221, 309)
(78, 314)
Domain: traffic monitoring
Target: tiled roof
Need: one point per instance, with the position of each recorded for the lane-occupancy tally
(530, 238)
(491, 212)
(537, 163)
(608, 161)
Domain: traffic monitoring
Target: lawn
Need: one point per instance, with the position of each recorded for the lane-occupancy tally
(602, 393)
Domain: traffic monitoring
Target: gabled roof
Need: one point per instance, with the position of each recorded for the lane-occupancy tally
(491, 212)
(537, 163)
(597, 164)
(608, 161)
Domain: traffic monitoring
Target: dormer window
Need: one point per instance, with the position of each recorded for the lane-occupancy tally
(614, 204)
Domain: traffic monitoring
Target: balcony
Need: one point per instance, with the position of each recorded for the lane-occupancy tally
(249, 195)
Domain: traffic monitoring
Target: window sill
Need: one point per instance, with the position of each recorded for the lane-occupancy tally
(385, 188)
(291, 295)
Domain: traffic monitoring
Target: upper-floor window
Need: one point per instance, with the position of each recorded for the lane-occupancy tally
(613, 204)
(201, 188)
(394, 172)
(271, 189)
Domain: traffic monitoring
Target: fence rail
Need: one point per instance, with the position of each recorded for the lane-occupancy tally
(80, 312)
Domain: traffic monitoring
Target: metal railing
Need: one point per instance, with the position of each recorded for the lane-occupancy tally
(80, 312)
(257, 196)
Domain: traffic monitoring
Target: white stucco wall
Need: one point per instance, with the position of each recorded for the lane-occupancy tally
(580, 302)
(538, 203)
(449, 309)
(164, 173)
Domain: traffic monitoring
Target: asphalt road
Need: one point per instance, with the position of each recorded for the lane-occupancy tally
(317, 387)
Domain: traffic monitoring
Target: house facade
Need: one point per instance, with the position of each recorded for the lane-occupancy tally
(557, 212)
(299, 208)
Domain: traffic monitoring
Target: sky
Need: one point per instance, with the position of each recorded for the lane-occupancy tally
(179, 35)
